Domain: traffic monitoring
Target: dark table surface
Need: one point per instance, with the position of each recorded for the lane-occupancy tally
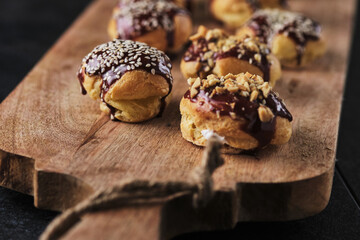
(29, 28)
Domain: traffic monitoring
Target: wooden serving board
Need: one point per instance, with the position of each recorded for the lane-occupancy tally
(57, 146)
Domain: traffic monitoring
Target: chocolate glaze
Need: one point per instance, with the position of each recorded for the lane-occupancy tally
(136, 19)
(244, 108)
(197, 50)
(265, 31)
(256, 4)
(260, 26)
(80, 76)
(300, 41)
(113, 72)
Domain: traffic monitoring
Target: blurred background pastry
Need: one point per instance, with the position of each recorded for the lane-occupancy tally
(216, 52)
(159, 23)
(234, 13)
(294, 39)
(132, 79)
(241, 108)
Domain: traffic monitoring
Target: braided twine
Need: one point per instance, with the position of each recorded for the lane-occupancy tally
(144, 192)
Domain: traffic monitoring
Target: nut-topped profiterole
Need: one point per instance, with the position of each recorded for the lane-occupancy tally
(132, 79)
(161, 24)
(234, 13)
(293, 38)
(215, 52)
(241, 108)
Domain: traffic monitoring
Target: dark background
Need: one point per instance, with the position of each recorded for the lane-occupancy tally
(29, 27)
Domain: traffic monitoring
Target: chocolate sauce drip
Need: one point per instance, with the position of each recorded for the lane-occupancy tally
(244, 108)
(113, 59)
(260, 26)
(197, 50)
(302, 38)
(80, 76)
(267, 23)
(143, 16)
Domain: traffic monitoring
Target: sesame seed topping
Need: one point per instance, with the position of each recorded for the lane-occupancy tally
(111, 60)
(145, 16)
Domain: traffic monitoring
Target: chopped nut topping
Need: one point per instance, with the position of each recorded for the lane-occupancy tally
(245, 84)
(210, 45)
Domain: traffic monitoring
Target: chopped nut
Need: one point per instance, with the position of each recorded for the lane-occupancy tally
(265, 88)
(247, 87)
(200, 33)
(254, 95)
(232, 114)
(215, 33)
(232, 89)
(193, 92)
(257, 57)
(212, 46)
(219, 90)
(225, 48)
(197, 83)
(259, 80)
(208, 55)
(213, 82)
(242, 87)
(251, 45)
(211, 62)
(230, 76)
(244, 93)
(191, 81)
(248, 75)
(265, 114)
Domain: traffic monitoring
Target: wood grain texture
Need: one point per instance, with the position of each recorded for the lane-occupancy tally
(56, 145)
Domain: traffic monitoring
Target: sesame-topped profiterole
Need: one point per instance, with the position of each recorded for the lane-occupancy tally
(241, 108)
(293, 38)
(182, 3)
(159, 23)
(132, 79)
(215, 52)
(234, 13)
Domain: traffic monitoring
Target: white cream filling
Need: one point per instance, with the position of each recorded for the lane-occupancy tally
(208, 133)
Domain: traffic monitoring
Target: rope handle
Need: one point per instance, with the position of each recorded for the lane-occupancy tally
(144, 192)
